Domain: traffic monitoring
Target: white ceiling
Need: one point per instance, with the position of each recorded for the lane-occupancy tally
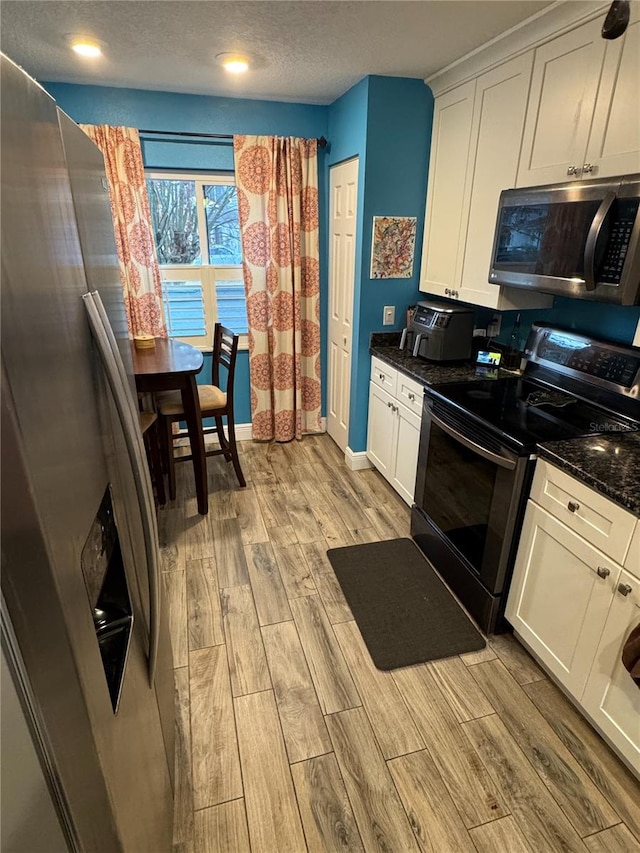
(310, 51)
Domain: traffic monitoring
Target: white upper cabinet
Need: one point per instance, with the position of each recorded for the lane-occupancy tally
(564, 86)
(475, 146)
(614, 142)
(583, 117)
(445, 216)
(496, 135)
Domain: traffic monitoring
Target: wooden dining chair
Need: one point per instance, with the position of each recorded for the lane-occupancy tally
(152, 443)
(214, 403)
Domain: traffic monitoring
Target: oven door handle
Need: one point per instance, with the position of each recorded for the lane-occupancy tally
(592, 240)
(502, 461)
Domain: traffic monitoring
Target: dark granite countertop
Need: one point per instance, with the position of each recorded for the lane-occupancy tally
(384, 345)
(608, 463)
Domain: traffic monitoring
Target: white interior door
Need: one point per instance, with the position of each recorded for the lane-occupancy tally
(343, 190)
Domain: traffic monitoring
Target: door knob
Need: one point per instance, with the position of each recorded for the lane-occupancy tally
(624, 588)
(603, 572)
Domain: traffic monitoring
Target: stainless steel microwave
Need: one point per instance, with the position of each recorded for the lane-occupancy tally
(577, 239)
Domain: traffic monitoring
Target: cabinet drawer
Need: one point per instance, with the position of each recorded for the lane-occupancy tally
(585, 511)
(383, 375)
(410, 393)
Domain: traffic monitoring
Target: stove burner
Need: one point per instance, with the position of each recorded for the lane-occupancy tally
(554, 399)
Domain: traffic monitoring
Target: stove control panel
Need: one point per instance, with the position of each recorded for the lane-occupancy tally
(607, 362)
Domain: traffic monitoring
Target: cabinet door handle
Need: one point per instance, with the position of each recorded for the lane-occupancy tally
(411, 397)
(603, 572)
(624, 588)
(572, 506)
(573, 170)
(381, 377)
(390, 405)
(588, 168)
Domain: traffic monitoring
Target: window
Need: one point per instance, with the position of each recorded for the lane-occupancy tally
(197, 235)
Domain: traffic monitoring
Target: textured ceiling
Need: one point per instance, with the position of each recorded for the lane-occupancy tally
(305, 51)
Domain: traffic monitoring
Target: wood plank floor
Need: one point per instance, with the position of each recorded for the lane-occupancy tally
(289, 739)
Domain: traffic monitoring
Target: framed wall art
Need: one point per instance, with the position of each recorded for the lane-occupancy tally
(393, 246)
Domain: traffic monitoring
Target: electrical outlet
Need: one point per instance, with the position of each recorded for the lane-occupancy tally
(389, 315)
(493, 329)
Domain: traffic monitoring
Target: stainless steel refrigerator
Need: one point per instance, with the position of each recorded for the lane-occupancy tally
(84, 633)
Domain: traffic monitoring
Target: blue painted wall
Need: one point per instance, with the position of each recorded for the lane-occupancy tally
(386, 121)
(201, 114)
(612, 322)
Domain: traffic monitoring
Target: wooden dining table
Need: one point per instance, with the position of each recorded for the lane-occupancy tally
(172, 366)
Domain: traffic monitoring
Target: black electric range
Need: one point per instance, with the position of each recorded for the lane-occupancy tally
(478, 448)
(526, 412)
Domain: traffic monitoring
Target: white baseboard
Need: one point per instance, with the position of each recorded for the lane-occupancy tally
(243, 433)
(356, 461)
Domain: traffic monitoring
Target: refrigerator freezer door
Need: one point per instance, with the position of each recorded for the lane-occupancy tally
(89, 190)
(114, 768)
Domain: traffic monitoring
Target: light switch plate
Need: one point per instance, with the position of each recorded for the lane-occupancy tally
(389, 315)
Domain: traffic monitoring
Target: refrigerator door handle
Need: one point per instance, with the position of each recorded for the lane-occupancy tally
(117, 378)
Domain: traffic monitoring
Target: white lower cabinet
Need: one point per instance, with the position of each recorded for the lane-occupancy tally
(560, 595)
(393, 432)
(405, 452)
(574, 608)
(611, 697)
(380, 429)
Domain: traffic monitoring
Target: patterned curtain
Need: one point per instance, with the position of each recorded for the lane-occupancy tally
(139, 272)
(277, 185)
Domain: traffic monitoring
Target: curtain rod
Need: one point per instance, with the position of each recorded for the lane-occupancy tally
(322, 142)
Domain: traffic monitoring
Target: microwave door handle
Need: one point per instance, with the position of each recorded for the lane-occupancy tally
(592, 240)
(502, 461)
(107, 348)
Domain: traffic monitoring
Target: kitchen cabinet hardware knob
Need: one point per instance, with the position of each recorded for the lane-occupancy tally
(588, 168)
(624, 588)
(572, 506)
(390, 405)
(573, 170)
(411, 396)
(603, 572)
(447, 291)
(381, 376)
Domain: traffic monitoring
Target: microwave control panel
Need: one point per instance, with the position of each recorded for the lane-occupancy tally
(615, 252)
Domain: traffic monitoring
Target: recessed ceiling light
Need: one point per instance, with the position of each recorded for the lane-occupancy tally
(86, 46)
(236, 63)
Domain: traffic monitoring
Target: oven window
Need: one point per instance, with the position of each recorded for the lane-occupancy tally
(459, 494)
(544, 239)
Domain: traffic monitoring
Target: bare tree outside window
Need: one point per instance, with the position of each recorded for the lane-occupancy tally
(175, 221)
(223, 224)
